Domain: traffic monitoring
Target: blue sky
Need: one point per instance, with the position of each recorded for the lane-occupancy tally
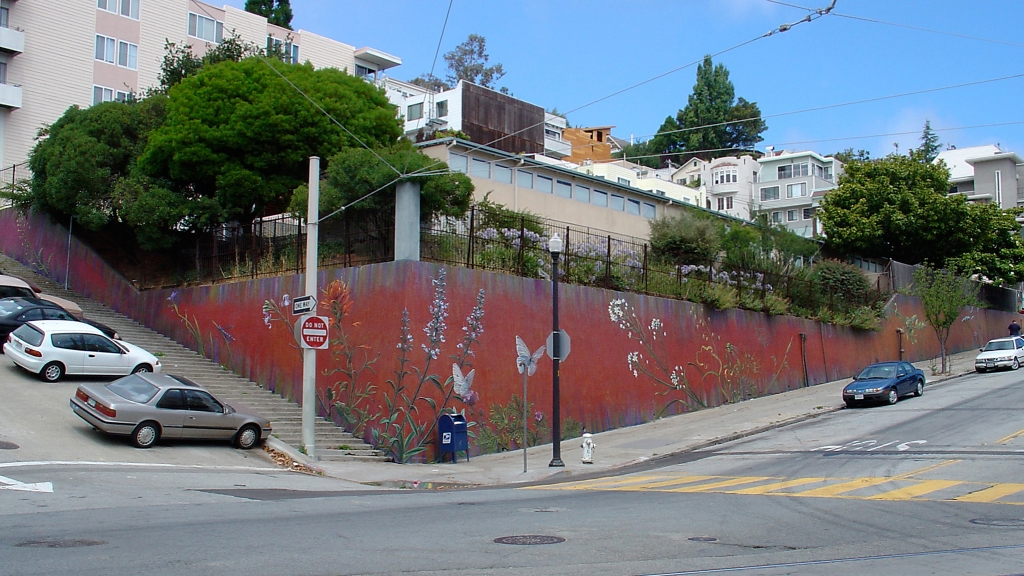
(566, 54)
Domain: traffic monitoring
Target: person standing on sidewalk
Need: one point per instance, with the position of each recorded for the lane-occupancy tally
(1014, 328)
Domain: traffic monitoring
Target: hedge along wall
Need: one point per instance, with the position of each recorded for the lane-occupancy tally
(397, 329)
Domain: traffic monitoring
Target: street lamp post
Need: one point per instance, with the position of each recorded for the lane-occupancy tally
(555, 246)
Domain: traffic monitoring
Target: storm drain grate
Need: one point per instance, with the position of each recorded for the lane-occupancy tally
(529, 540)
(999, 522)
(67, 543)
(702, 539)
(8, 445)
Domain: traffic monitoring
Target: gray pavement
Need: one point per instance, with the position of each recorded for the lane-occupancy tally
(618, 449)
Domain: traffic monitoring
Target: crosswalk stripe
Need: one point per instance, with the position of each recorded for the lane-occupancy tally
(918, 489)
(598, 484)
(991, 494)
(836, 489)
(775, 486)
(671, 482)
(720, 484)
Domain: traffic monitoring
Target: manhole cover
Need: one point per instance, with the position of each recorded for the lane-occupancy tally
(1000, 522)
(8, 445)
(529, 540)
(70, 543)
(702, 539)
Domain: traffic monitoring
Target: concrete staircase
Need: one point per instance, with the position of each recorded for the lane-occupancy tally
(285, 416)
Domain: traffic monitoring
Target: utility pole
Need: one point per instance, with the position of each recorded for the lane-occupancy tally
(309, 354)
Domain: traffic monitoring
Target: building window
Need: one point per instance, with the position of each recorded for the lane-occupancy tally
(524, 179)
(205, 28)
(3, 72)
(709, 203)
(808, 213)
(365, 72)
(796, 190)
(728, 203)
(106, 49)
(581, 193)
(481, 168)
(725, 176)
(127, 55)
(101, 94)
(415, 111)
(776, 217)
(599, 198)
(793, 170)
(458, 163)
(545, 184)
(126, 8)
(721, 204)
(769, 193)
(650, 211)
(442, 108)
(753, 176)
(618, 202)
(120, 96)
(5, 16)
(999, 187)
(502, 174)
(791, 215)
(623, 181)
(563, 189)
(633, 207)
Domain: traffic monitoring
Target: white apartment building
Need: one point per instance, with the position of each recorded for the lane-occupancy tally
(59, 53)
(658, 182)
(790, 186)
(985, 174)
(728, 183)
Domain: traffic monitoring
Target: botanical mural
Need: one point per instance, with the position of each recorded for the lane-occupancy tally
(408, 343)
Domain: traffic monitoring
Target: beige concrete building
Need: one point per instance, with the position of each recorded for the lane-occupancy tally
(59, 53)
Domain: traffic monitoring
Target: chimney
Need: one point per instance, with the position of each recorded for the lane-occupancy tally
(769, 151)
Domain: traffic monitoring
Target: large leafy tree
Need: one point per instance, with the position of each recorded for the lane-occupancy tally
(714, 122)
(238, 136)
(277, 12)
(81, 156)
(896, 207)
(468, 61)
(180, 62)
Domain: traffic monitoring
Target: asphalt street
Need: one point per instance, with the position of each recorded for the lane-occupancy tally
(928, 486)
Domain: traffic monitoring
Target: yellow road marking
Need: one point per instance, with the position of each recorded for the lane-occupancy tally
(1006, 439)
(720, 484)
(925, 469)
(850, 486)
(663, 483)
(991, 494)
(919, 489)
(597, 484)
(775, 486)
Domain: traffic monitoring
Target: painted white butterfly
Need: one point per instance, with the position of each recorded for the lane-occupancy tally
(462, 383)
(524, 360)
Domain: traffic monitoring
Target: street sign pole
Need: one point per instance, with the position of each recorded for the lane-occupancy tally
(309, 354)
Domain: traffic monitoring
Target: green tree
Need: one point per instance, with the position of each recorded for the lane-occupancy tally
(930, 145)
(355, 172)
(467, 61)
(180, 62)
(640, 153)
(237, 137)
(895, 208)
(849, 155)
(996, 252)
(277, 12)
(943, 296)
(81, 157)
(687, 238)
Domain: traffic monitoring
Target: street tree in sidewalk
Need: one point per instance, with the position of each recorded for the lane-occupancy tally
(943, 296)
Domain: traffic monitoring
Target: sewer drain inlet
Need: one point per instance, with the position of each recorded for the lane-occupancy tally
(529, 540)
(702, 539)
(8, 445)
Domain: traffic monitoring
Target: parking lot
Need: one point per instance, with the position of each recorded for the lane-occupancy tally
(35, 416)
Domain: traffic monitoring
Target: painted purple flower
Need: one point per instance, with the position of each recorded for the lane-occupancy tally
(471, 397)
(224, 332)
(173, 296)
(538, 416)
(286, 301)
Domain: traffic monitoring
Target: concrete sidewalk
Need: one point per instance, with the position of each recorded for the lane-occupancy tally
(623, 446)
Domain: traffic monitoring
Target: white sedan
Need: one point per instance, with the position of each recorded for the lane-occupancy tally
(53, 348)
(1001, 353)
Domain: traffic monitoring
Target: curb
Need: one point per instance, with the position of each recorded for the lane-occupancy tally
(299, 462)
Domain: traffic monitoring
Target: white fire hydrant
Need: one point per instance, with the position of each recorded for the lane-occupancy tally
(588, 448)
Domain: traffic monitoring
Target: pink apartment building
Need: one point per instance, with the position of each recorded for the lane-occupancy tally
(57, 53)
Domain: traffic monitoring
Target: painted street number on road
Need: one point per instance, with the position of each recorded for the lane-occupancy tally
(869, 446)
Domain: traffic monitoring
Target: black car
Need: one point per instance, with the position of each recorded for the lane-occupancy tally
(16, 311)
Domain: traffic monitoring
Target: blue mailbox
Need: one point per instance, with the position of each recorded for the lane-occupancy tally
(452, 436)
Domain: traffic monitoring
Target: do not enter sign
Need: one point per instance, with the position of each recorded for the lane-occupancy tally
(312, 332)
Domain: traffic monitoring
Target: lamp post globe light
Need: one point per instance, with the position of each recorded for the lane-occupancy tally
(555, 247)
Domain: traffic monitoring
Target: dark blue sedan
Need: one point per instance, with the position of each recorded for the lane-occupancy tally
(884, 382)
